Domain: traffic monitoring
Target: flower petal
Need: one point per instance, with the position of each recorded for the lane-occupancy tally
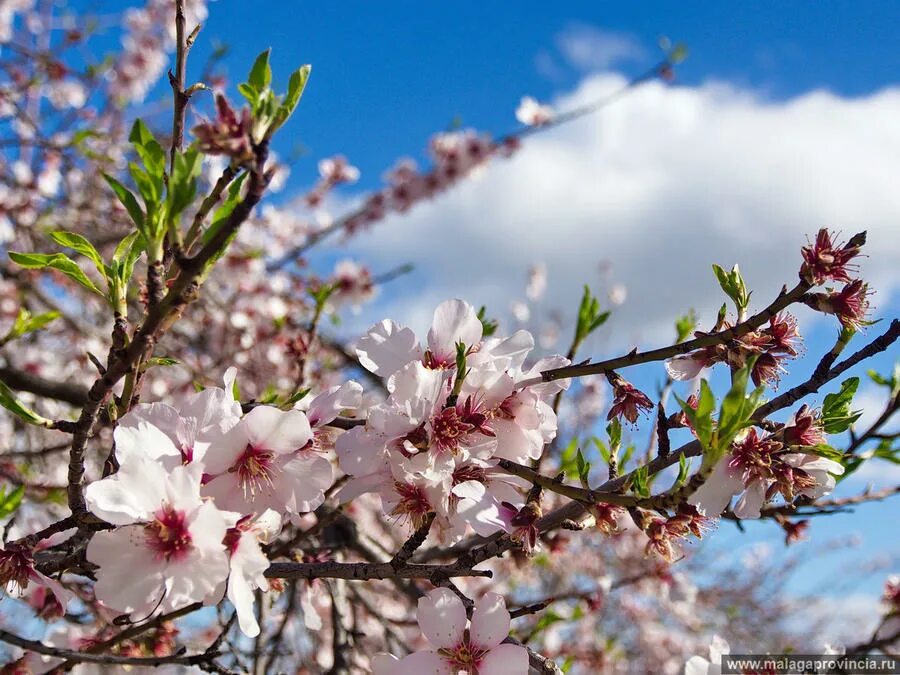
(505, 660)
(442, 617)
(423, 663)
(280, 431)
(387, 347)
(454, 321)
(490, 621)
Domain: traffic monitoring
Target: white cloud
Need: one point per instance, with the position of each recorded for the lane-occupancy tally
(590, 48)
(663, 183)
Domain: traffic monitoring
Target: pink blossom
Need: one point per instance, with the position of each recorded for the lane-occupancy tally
(477, 650)
(167, 551)
(262, 463)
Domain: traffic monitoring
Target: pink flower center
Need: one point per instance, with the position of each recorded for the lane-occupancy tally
(168, 536)
(255, 469)
(448, 430)
(464, 656)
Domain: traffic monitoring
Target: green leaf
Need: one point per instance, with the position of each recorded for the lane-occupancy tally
(26, 323)
(639, 481)
(683, 468)
(701, 418)
(685, 325)
(583, 466)
(222, 213)
(293, 398)
(19, 409)
(296, 85)
(78, 243)
(836, 414)
(140, 133)
(488, 326)
(261, 72)
(10, 502)
(160, 361)
(249, 92)
(127, 199)
(590, 318)
(614, 430)
(57, 261)
(567, 460)
(602, 449)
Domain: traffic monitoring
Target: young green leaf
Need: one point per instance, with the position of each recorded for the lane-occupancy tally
(9, 401)
(81, 245)
(127, 199)
(56, 261)
(261, 72)
(10, 502)
(733, 284)
(836, 414)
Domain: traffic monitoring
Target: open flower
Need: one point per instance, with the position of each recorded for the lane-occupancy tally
(168, 551)
(476, 650)
(262, 464)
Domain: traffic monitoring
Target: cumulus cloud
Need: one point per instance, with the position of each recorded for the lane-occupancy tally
(654, 190)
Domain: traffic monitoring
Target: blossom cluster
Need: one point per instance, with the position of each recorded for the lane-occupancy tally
(455, 407)
(768, 347)
(199, 488)
(759, 467)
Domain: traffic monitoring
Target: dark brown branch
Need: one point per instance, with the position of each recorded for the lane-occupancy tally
(412, 544)
(811, 386)
(365, 571)
(635, 358)
(67, 392)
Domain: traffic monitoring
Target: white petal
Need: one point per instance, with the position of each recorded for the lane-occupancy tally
(225, 449)
(716, 492)
(130, 495)
(387, 347)
(326, 406)
(682, 368)
(697, 665)
(241, 596)
(442, 617)
(359, 451)
(423, 663)
(748, 506)
(304, 481)
(490, 621)
(454, 321)
(505, 660)
(384, 664)
(129, 579)
(281, 431)
(147, 441)
(717, 649)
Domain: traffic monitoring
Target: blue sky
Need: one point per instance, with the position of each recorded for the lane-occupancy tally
(386, 76)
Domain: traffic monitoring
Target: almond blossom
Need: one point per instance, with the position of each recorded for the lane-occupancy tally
(476, 650)
(263, 463)
(167, 551)
(432, 445)
(758, 468)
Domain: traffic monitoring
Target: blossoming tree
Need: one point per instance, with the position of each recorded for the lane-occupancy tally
(196, 477)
